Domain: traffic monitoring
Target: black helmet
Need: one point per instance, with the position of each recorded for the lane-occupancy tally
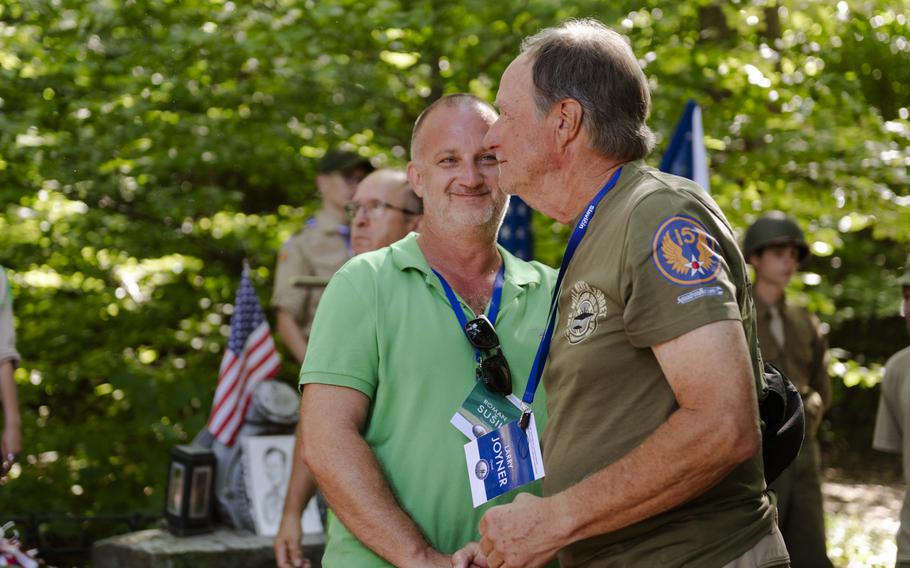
(774, 229)
(342, 161)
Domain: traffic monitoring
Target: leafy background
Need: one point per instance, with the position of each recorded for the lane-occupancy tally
(148, 147)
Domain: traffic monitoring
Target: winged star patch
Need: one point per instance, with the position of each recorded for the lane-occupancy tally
(684, 252)
(588, 306)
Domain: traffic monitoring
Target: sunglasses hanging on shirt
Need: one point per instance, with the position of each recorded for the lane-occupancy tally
(492, 368)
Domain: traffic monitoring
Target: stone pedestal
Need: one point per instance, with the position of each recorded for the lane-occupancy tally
(224, 548)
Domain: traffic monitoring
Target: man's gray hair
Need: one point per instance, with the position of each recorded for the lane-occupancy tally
(592, 64)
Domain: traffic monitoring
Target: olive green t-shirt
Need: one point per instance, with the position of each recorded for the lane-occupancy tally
(658, 260)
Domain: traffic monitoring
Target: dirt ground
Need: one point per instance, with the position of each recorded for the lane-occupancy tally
(861, 520)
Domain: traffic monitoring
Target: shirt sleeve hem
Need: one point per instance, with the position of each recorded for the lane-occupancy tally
(338, 380)
(674, 329)
(11, 356)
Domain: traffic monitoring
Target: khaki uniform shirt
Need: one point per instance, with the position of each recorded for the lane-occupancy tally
(801, 358)
(892, 431)
(318, 250)
(7, 333)
(658, 260)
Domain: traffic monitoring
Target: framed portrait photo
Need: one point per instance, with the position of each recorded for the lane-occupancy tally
(267, 470)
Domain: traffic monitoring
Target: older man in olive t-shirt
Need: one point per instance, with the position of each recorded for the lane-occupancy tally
(652, 450)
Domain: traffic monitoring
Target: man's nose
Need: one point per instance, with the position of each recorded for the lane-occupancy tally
(491, 139)
(471, 175)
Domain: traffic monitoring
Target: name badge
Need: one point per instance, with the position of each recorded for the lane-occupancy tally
(503, 460)
(484, 412)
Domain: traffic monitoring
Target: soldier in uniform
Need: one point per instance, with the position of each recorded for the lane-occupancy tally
(10, 443)
(652, 452)
(789, 337)
(318, 250)
(384, 210)
(892, 424)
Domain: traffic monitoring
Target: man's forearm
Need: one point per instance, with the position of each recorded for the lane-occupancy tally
(8, 396)
(302, 485)
(683, 458)
(714, 429)
(291, 335)
(349, 477)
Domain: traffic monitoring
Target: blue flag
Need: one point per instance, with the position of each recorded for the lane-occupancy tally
(515, 233)
(686, 155)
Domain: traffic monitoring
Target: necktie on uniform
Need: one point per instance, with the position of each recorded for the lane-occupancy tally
(777, 325)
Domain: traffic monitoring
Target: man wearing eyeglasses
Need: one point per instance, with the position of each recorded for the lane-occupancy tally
(318, 250)
(652, 450)
(390, 362)
(384, 210)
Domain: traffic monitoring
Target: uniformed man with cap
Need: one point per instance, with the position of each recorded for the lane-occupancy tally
(892, 425)
(790, 338)
(318, 250)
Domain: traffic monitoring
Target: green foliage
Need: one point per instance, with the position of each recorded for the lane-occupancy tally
(147, 148)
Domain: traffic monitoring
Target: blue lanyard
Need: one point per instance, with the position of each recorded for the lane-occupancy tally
(494, 300)
(544, 347)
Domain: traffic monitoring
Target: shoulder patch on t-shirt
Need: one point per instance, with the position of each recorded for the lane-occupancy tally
(684, 252)
(588, 305)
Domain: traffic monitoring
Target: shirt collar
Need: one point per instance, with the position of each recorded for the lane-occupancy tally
(406, 254)
(324, 223)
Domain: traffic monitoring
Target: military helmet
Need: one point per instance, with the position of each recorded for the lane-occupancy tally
(343, 161)
(774, 229)
(904, 280)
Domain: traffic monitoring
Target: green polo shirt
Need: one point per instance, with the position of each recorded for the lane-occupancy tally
(385, 328)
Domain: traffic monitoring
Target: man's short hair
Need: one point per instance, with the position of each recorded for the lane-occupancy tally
(453, 100)
(592, 64)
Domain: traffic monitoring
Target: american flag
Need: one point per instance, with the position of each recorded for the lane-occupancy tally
(250, 358)
(515, 234)
(686, 155)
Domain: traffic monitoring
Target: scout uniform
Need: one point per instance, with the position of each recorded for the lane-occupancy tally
(892, 425)
(659, 260)
(789, 338)
(320, 249)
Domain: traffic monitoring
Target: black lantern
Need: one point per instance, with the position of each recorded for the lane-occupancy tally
(190, 490)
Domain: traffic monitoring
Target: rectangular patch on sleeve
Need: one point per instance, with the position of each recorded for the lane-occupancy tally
(699, 293)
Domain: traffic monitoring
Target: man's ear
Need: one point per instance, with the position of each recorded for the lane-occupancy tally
(567, 117)
(415, 180)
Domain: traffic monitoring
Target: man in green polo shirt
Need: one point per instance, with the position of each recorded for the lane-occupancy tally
(389, 364)
(652, 450)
